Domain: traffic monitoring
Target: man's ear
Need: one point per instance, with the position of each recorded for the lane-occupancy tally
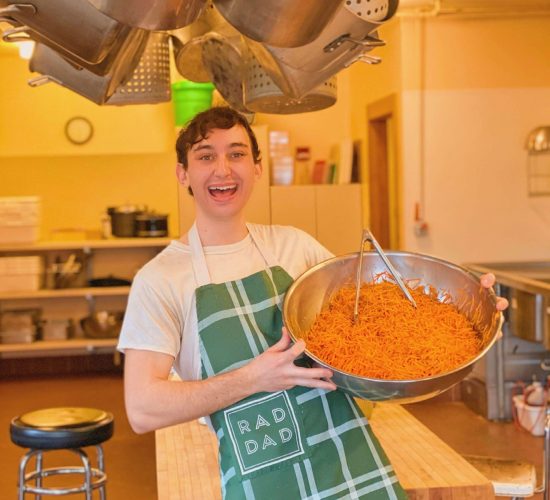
(181, 174)
(258, 169)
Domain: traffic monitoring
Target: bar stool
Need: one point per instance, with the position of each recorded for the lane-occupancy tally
(62, 429)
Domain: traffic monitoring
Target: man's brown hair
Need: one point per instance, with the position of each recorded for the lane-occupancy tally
(221, 117)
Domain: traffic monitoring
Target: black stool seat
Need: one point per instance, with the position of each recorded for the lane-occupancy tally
(60, 428)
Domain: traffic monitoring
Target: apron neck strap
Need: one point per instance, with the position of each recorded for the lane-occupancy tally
(202, 276)
(198, 259)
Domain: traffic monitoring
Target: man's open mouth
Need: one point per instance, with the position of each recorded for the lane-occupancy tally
(221, 192)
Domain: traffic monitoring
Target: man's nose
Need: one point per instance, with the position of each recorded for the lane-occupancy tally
(222, 166)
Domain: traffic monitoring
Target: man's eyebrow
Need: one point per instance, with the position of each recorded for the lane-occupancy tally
(238, 145)
(201, 146)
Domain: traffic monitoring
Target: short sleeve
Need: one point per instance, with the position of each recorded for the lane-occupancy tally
(150, 321)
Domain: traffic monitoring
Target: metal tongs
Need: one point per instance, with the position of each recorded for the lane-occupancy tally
(368, 236)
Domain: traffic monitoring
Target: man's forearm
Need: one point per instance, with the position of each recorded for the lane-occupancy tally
(163, 402)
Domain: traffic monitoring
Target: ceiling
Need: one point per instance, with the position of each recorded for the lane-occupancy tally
(481, 7)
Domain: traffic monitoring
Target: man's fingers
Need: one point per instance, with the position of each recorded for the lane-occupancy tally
(487, 280)
(502, 303)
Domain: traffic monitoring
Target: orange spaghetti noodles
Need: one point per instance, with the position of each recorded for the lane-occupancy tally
(391, 339)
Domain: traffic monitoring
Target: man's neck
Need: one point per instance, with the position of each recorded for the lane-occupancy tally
(221, 232)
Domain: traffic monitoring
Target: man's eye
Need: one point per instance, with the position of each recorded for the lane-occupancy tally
(206, 157)
(237, 154)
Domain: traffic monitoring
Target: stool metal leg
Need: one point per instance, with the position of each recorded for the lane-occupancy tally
(87, 471)
(101, 467)
(38, 480)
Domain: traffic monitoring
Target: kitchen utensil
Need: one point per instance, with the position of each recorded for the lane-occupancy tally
(345, 40)
(368, 236)
(102, 324)
(153, 16)
(187, 43)
(262, 95)
(63, 274)
(150, 80)
(151, 225)
(74, 29)
(307, 296)
(98, 89)
(281, 23)
(109, 281)
(223, 60)
(123, 220)
(19, 325)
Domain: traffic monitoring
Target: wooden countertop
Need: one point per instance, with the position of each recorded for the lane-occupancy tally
(427, 468)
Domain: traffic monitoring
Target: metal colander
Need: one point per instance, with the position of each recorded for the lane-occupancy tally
(262, 95)
(150, 81)
(372, 10)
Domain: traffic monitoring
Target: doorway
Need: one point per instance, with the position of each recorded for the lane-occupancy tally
(383, 174)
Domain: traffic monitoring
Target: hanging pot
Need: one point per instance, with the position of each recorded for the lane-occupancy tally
(347, 38)
(223, 59)
(187, 43)
(281, 23)
(54, 68)
(74, 29)
(262, 95)
(154, 16)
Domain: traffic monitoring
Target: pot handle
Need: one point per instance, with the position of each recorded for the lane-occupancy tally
(365, 59)
(19, 34)
(37, 81)
(369, 41)
(7, 13)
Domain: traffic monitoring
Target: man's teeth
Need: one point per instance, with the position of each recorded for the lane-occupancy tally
(222, 188)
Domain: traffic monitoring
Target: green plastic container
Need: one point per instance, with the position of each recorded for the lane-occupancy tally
(189, 99)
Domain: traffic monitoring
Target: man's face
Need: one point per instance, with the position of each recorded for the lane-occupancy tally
(221, 172)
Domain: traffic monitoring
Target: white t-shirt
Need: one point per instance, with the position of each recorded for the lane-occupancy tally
(161, 314)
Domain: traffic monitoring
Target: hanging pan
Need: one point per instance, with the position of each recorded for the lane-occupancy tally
(347, 38)
(54, 68)
(262, 95)
(153, 16)
(74, 29)
(281, 23)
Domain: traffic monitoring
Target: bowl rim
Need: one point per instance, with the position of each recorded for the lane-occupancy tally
(456, 267)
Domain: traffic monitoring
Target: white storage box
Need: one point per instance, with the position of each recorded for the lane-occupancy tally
(21, 273)
(531, 418)
(19, 219)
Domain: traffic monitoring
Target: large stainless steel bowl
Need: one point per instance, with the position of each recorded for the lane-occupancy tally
(313, 289)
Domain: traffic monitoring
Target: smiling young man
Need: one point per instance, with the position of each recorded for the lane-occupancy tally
(209, 307)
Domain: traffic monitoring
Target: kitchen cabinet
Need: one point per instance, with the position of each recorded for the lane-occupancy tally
(329, 212)
(120, 257)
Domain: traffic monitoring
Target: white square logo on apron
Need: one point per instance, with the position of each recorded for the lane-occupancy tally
(264, 432)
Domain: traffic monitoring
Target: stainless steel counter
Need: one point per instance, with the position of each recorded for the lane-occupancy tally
(523, 352)
(528, 276)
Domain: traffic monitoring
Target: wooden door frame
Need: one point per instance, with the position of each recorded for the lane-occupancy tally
(378, 113)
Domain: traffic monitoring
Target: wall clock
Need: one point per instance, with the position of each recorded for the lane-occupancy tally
(79, 130)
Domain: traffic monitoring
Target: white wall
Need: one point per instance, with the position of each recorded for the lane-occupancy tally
(477, 205)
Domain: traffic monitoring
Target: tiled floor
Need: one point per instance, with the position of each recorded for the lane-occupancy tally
(131, 458)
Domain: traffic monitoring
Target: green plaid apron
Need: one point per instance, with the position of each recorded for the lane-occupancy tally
(297, 444)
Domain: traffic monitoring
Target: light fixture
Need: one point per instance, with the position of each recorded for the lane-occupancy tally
(538, 140)
(538, 161)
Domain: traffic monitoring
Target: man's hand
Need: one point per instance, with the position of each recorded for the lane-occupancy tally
(487, 281)
(274, 369)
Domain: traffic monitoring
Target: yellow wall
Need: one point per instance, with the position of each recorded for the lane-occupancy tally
(128, 160)
(443, 53)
